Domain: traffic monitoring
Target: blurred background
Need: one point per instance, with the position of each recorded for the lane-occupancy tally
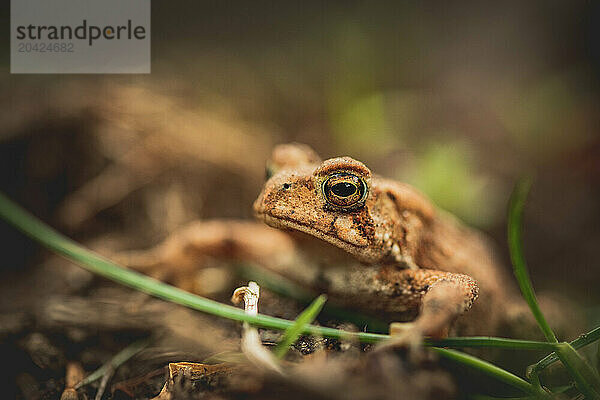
(457, 99)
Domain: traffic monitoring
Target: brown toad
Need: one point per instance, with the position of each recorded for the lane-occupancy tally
(412, 257)
(370, 243)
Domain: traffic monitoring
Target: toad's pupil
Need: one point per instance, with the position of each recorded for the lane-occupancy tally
(343, 189)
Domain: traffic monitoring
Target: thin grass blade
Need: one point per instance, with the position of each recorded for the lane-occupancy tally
(490, 342)
(583, 340)
(586, 378)
(515, 244)
(488, 369)
(292, 334)
(119, 359)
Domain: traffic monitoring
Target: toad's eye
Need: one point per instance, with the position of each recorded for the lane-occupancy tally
(344, 191)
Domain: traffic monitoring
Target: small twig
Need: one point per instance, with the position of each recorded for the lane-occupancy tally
(119, 359)
(252, 346)
(107, 375)
(249, 295)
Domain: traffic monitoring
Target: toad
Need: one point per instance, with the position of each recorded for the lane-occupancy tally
(370, 243)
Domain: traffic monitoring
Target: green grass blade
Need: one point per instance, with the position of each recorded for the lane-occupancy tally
(583, 340)
(490, 342)
(586, 379)
(293, 332)
(515, 216)
(488, 369)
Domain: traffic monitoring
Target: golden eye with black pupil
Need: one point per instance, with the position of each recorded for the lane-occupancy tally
(344, 191)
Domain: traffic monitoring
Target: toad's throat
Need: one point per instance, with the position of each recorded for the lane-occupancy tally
(282, 222)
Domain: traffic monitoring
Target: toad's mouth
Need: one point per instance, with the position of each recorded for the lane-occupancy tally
(287, 223)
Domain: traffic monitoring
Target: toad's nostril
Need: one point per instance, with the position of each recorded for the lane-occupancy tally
(286, 186)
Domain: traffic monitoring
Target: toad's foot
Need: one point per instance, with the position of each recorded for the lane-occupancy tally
(446, 296)
(404, 335)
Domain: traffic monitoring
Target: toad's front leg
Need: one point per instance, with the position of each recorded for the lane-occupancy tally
(430, 299)
(439, 296)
